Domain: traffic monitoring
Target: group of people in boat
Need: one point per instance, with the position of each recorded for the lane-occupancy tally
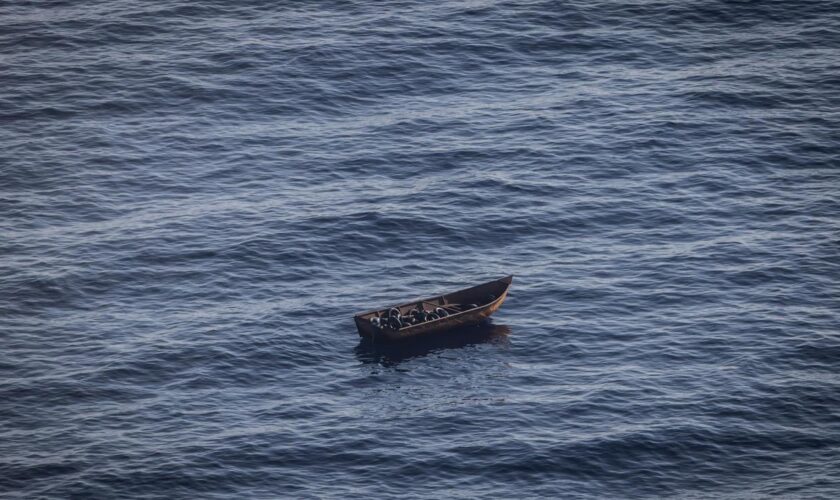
(393, 319)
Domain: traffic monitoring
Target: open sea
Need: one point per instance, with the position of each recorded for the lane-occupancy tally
(197, 196)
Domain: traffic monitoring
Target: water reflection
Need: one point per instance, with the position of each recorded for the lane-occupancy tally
(391, 354)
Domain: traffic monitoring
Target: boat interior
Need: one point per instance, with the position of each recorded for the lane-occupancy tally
(452, 303)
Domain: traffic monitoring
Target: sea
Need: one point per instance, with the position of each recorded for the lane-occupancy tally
(197, 196)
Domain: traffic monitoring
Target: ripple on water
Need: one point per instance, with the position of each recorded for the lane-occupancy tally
(197, 197)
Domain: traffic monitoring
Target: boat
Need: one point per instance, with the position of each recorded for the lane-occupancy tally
(466, 307)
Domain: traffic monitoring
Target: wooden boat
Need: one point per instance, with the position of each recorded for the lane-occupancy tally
(469, 306)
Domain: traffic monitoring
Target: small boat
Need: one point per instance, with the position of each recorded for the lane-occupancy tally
(469, 306)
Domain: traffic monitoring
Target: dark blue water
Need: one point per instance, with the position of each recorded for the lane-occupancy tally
(196, 197)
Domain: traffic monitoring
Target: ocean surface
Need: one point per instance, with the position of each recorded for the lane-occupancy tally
(197, 196)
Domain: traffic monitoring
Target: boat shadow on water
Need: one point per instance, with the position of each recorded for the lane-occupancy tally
(393, 353)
